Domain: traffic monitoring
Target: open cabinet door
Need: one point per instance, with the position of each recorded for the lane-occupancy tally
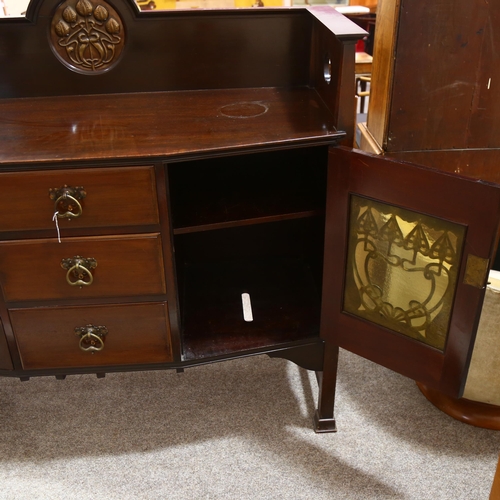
(407, 252)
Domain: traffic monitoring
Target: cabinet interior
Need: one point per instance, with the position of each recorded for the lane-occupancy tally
(248, 224)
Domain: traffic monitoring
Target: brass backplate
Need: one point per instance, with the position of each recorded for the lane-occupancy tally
(476, 271)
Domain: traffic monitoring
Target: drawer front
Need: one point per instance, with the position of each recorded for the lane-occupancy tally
(113, 197)
(135, 334)
(126, 266)
(5, 361)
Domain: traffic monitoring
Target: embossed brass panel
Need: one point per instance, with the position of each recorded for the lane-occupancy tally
(402, 269)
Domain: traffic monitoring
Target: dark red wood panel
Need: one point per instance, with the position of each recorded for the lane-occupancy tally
(126, 266)
(477, 163)
(114, 197)
(469, 203)
(163, 51)
(137, 333)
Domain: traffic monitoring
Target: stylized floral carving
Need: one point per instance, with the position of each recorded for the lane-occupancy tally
(62, 28)
(101, 13)
(112, 26)
(84, 7)
(89, 36)
(69, 15)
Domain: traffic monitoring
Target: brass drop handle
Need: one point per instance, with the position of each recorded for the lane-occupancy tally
(79, 270)
(91, 337)
(67, 201)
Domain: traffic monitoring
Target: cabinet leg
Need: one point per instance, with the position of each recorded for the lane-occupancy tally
(324, 420)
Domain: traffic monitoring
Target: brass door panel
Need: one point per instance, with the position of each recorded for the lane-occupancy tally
(402, 269)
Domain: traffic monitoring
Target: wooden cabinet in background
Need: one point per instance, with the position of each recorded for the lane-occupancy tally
(434, 95)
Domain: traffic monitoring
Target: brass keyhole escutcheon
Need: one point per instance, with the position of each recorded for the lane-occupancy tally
(79, 270)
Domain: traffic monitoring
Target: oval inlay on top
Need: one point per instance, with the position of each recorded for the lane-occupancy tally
(244, 110)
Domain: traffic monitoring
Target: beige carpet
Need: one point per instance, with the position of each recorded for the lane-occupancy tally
(235, 430)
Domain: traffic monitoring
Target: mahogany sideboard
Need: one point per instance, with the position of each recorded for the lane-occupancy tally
(175, 189)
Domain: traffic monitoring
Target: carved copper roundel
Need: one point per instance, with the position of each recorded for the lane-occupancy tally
(87, 36)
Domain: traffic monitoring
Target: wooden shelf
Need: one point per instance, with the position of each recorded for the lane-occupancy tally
(248, 189)
(248, 222)
(285, 303)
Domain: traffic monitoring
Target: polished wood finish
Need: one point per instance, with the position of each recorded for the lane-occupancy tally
(162, 124)
(402, 186)
(188, 51)
(204, 152)
(208, 155)
(481, 164)
(456, 77)
(137, 333)
(383, 67)
(106, 188)
(333, 57)
(126, 266)
(470, 412)
(446, 116)
(191, 56)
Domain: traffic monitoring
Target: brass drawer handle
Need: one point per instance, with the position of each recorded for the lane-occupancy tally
(66, 201)
(91, 337)
(79, 270)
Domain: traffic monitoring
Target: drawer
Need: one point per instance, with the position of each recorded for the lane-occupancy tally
(114, 197)
(127, 265)
(135, 334)
(5, 361)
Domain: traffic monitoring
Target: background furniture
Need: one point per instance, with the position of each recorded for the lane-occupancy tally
(430, 119)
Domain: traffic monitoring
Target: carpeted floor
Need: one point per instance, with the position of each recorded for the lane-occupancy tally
(235, 430)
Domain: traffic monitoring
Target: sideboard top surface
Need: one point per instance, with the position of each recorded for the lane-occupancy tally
(161, 124)
(74, 87)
